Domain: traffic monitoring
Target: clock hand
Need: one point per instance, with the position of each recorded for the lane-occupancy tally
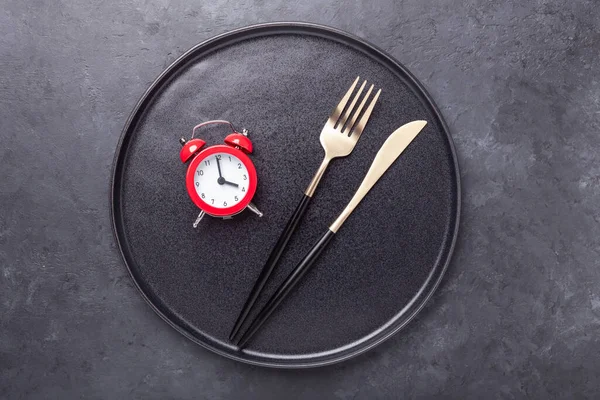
(222, 180)
(231, 183)
(219, 167)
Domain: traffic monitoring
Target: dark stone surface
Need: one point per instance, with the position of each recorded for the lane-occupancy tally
(518, 313)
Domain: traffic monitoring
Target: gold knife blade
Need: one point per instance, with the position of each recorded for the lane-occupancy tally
(391, 149)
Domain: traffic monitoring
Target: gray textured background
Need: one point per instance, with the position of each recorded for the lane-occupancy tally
(518, 314)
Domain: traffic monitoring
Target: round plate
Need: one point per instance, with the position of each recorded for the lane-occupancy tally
(281, 81)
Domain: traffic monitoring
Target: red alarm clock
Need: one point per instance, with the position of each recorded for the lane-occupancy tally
(221, 180)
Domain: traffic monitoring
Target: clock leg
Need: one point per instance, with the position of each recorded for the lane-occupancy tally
(254, 209)
(200, 216)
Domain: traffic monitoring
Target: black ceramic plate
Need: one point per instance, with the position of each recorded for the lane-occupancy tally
(281, 81)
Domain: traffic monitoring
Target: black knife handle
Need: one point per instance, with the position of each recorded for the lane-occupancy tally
(285, 288)
(272, 261)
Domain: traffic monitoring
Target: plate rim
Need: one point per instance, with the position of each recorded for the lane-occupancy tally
(264, 29)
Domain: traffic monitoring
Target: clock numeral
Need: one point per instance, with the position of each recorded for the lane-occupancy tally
(243, 189)
(245, 177)
(197, 184)
(212, 201)
(206, 162)
(218, 156)
(236, 198)
(229, 158)
(200, 172)
(224, 203)
(203, 195)
(239, 165)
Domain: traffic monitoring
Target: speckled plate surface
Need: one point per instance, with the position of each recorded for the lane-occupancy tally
(281, 81)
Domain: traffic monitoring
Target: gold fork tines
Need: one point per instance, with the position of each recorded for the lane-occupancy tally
(343, 128)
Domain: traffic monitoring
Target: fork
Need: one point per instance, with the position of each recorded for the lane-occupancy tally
(338, 138)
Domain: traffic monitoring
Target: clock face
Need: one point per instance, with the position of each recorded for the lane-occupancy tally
(221, 180)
